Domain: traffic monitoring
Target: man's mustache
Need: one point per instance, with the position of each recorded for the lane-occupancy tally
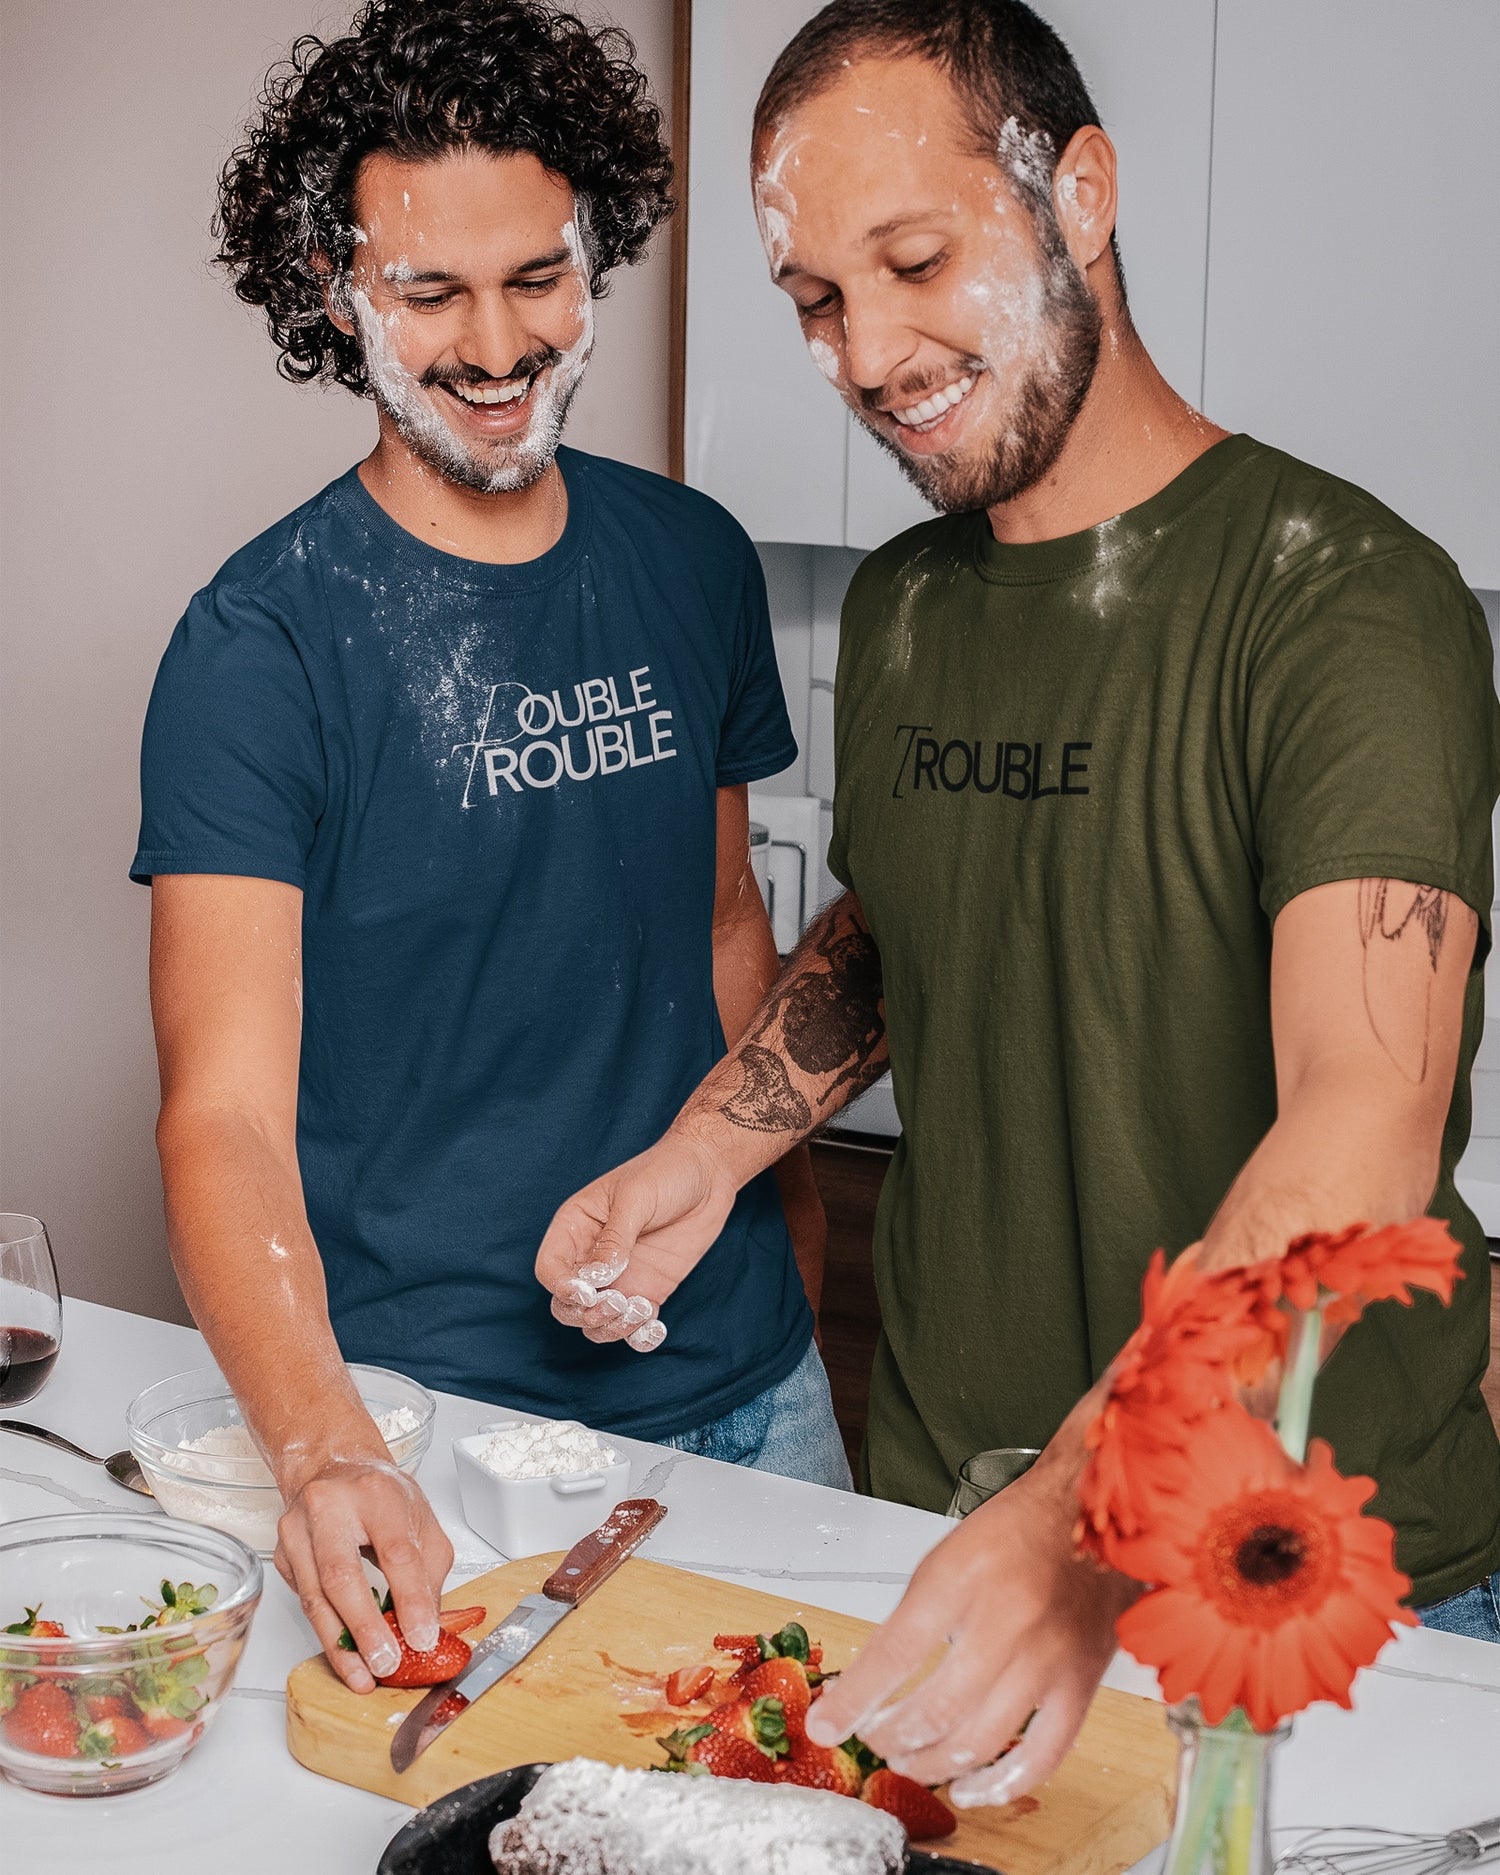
(520, 372)
(908, 391)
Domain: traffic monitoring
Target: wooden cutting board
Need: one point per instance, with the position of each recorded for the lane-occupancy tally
(594, 1689)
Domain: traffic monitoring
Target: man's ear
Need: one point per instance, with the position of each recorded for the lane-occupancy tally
(1084, 195)
(335, 293)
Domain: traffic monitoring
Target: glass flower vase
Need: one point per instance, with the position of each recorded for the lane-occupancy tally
(1222, 1823)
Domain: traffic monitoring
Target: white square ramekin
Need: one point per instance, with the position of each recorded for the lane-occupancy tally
(529, 1516)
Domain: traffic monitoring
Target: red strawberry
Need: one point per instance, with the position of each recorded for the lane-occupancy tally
(161, 1724)
(688, 1684)
(920, 1813)
(819, 1767)
(118, 1737)
(747, 1646)
(787, 1681)
(42, 1721)
(702, 1751)
(448, 1708)
(456, 1620)
(38, 1629)
(451, 1655)
(760, 1722)
(108, 1706)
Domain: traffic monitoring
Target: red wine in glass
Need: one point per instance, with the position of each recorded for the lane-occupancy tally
(26, 1358)
(30, 1308)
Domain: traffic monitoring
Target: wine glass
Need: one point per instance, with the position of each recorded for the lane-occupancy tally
(30, 1308)
(981, 1476)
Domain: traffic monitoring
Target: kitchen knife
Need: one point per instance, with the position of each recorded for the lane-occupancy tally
(592, 1560)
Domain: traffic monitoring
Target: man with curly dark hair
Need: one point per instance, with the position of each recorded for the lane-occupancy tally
(445, 812)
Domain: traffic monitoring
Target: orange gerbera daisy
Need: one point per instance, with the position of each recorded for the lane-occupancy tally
(1360, 1265)
(1199, 1335)
(1274, 1589)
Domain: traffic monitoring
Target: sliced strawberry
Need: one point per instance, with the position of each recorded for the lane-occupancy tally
(451, 1655)
(688, 1684)
(785, 1680)
(42, 1721)
(458, 1620)
(119, 1737)
(448, 1708)
(821, 1767)
(701, 1751)
(746, 1646)
(919, 1812)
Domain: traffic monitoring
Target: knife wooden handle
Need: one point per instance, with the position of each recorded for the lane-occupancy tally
(597, 1556)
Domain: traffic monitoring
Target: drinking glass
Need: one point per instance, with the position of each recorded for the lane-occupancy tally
(30, 1308)
(981, 1476)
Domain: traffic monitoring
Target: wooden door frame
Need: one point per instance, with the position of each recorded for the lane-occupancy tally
(682, 71)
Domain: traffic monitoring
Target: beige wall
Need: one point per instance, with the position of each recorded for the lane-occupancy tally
(146, 436)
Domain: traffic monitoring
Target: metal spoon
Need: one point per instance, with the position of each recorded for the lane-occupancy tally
(121, 1466)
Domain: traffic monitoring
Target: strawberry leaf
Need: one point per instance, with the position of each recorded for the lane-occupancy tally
(791, 1643)
(768, 1718)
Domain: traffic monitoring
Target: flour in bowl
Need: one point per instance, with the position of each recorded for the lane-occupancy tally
(235, 1444)
(583, 1818)
(550, 1449)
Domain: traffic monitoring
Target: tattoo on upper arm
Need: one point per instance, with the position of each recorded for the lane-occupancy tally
(1397, 924)
(831, 1022)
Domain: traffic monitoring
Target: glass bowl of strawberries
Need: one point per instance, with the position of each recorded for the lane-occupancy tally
(119, 1639)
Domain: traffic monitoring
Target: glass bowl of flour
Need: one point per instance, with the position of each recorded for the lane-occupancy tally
(191, 1440)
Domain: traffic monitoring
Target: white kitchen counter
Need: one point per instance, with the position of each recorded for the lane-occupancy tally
(1420, 1751)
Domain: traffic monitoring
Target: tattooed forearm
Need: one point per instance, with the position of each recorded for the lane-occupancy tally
(1401, 928)
(822, 1023)
(766, 1101)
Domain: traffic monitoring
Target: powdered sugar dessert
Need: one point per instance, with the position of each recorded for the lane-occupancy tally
(545, 1449)
(584, 1818)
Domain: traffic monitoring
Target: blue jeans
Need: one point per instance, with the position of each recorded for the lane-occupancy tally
(1475, 1613)
(788, 1429)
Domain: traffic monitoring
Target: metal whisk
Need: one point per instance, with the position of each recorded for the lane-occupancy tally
(1357, 1851)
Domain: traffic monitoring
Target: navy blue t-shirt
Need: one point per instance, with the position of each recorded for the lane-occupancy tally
(495, 786)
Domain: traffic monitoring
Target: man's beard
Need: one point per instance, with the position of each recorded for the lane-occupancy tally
(1047, 391)
(504, 466)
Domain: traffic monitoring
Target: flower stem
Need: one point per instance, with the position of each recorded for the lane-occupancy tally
(1241, 1819)
(1294, 1406)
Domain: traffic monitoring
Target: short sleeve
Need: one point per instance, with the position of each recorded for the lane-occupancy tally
(1373, 735)
(755, 739)
(232, 766)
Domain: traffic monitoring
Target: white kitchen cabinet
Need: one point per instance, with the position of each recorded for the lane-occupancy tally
(765, 435)
(1353, 265)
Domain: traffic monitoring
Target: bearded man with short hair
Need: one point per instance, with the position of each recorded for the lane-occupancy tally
(445, 813)
(1165, 767)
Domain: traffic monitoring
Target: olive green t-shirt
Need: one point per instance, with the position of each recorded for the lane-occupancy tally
(1077, 782)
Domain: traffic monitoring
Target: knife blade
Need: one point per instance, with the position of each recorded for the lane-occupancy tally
(590, 1562)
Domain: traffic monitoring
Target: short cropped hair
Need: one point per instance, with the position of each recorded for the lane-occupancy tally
(420, 79)
(1020, 86)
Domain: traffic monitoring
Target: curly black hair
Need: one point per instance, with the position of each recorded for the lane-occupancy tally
(420, 78)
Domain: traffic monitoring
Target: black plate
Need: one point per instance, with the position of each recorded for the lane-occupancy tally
(451, 1836)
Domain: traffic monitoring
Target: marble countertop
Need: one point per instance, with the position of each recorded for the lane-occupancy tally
(1421, 1750)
